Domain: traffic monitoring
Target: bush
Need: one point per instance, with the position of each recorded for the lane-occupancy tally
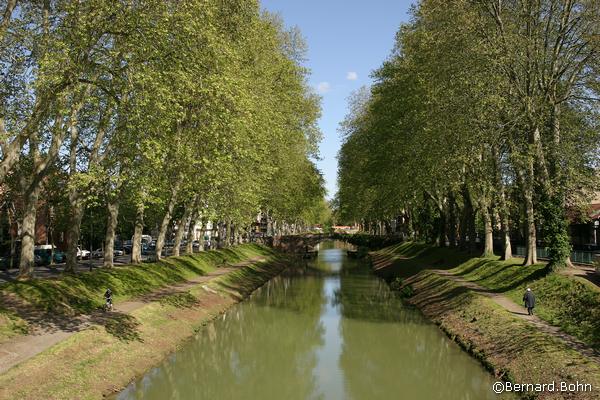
(403, 290)
(370, 241)
(407, 291)
(396, 284)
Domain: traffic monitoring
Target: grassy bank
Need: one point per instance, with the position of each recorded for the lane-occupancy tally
(103, 359)
(25, 303)
(508, 346)
(571, 303)
(409, 258)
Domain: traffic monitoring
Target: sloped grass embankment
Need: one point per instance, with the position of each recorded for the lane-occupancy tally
(571, 303)
(102, 359)
(25, 303)
(508, 346)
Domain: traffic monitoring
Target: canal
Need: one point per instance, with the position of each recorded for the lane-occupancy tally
(334, 331)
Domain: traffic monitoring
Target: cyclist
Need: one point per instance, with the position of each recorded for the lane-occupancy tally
(108, 297)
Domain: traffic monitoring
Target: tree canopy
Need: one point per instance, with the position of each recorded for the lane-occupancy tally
(153, 113)
(484, 118)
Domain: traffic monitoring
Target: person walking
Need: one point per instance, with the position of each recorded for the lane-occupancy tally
(529, 300)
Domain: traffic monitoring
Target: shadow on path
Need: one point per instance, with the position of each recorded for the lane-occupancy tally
(517, 310)
(47, 329)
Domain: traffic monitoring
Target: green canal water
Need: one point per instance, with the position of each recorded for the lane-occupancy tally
(337, 335)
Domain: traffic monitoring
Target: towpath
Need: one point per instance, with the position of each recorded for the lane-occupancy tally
(52, 329)
(521, 312)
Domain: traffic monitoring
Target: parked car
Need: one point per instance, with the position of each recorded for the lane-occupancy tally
(148, 249)
(98, 253)
(59, 256)
(46, 252)
(5, 262)
(118, 252)
(83, 254)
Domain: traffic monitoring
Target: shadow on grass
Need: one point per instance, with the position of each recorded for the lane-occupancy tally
(405, 260)
(439, 296)
(500, 276)
(180, 300)
(122, 326)
(40, 318)
(62, 302)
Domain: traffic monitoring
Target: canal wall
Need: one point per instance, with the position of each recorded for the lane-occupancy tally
(509, 347)
(113, 351)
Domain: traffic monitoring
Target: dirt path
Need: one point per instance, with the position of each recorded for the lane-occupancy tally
(521, 312)
(585, 272)
(51, 332)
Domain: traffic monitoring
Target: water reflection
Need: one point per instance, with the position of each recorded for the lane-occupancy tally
(318, 337)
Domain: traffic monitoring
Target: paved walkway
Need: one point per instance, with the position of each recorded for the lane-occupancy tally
(54, 329)
(521, 312)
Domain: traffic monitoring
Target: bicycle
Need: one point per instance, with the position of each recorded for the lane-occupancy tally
(108, 306)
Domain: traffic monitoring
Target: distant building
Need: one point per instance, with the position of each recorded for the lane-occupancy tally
(345, 229)
(585, 234)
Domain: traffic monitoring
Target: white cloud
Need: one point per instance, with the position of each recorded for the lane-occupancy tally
(352, 76)
(323, 87)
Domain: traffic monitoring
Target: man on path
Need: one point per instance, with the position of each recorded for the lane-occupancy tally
(529, 300)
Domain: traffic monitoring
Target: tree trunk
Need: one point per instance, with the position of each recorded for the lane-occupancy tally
(219, 235)
(111, 228)
(452, 224)
(472, 234)
(189, 249)
(502, 207)
(185, 219)
(558, 239)
(238, 235)
(488, 248)
(6, 16)
(227, 235)
(73, 231)
(201, 238)
(465, 223)
(27, 261)
(531, 248)
(162, 233)
(507, 251)
(12, 221)
(441, 239)
(136, 245)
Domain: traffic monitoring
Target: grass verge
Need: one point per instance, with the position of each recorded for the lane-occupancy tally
(96, 362)
(571, 303)
(25, 302)
(508, 346)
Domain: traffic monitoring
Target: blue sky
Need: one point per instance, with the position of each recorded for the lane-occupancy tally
(347, 39)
